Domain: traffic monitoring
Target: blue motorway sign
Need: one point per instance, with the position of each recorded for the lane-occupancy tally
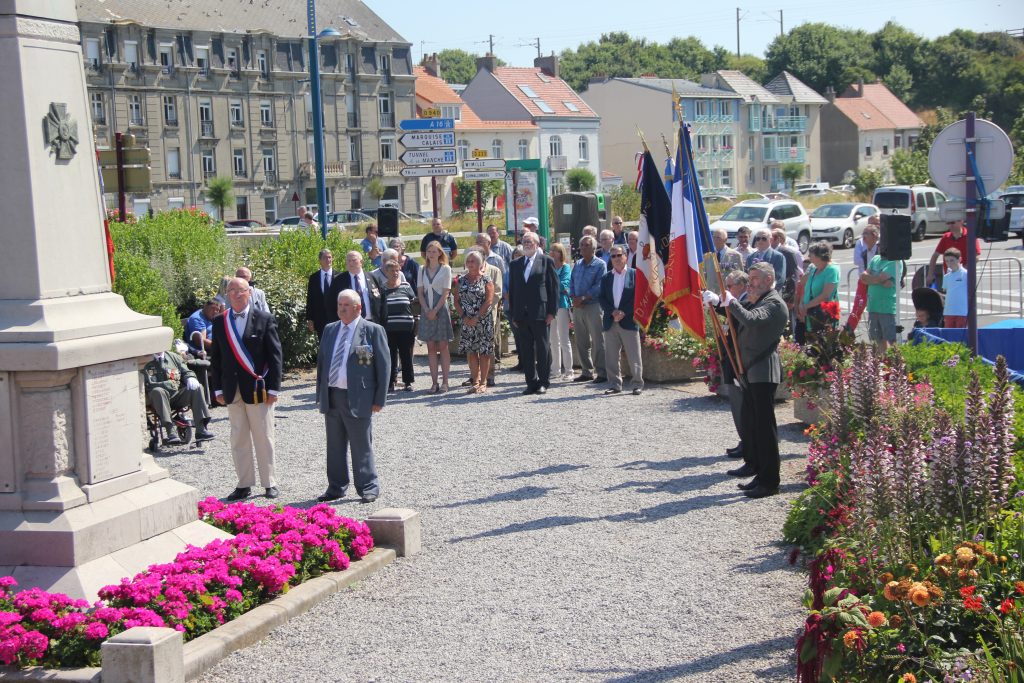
(427, 124)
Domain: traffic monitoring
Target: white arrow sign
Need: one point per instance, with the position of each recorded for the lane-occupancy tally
(483, 175)
(427, 140)
(484, 164)
(428, 156)
(424, 171)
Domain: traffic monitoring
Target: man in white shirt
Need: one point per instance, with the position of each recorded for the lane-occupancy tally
(618, 292)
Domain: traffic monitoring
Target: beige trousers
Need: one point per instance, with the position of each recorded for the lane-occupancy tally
(252, 428)
(615, 340)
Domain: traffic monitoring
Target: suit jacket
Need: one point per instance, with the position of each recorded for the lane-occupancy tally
(322, 307)
(777, 260)
(378, 300)
(729, 261)
(761, 324)
(259, 299)
(536, 298)
(367, 382)
(607, 300)
(264, 346)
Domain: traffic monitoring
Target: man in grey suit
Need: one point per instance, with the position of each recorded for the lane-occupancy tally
(763, 253)
(762, 320)
(352, 372)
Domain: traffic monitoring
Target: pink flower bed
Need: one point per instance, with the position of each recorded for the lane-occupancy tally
(274, 548)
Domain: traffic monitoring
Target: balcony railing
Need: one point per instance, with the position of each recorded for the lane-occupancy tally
(209, 173)
(355, 168)
(387, 120)
(270, 177)
(174, 175)
(793, 124)
(557, 163)
(713, 155)
(332, 170)
(713, 118)
(135, 120)
(206, 129)
(388, 167)
(784, 155)
(171, 122)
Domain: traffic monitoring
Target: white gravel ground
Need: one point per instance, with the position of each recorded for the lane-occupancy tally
(566, 537)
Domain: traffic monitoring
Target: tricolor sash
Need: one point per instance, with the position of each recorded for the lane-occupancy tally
(245, 360)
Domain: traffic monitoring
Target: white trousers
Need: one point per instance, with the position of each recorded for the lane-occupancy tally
(561, 347)
(252, 429)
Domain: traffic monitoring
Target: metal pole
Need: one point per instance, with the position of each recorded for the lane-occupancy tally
(122, 203)
(737, 31)
(433, 195)
(318, 118)
(971, 192)
(781, 31)
(479, 207)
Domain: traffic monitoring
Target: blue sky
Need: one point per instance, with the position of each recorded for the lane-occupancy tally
(465, 24)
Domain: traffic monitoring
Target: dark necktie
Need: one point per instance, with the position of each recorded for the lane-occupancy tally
(359, 290)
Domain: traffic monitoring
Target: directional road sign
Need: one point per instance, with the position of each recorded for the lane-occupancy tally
(429, 156)
(484, 164)
(483, 175)
(133, 156)
(427, 140)
(426, 171)
(427, 124)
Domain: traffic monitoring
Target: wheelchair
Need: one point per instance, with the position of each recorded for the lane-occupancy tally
(181, 418)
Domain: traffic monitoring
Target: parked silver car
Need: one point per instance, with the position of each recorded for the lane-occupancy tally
(758, 214)
(841, 223)
(920, 202)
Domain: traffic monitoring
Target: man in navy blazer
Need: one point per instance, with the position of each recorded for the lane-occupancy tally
(353, 368)
(763, 253)
(245, 375)
(618, 292)
(533, 302)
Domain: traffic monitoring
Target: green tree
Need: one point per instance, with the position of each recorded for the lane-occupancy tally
(464, 194)
(580, 180)
(625, 202)
(220, 192)
(458, 66)
(821, 55)
(791, 173)
(899, 81)
(910, 167)
(375, 188)
(866, 181)
(752, 67)
(491, 189)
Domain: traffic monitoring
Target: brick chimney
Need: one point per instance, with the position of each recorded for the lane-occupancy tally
(548, 65)
(860, 87)
(432, 65)
(830, 94)
(488, 62)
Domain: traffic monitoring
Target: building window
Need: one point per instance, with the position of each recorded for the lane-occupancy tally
(726, 108)
(727, 142)
(170, 110)
(463, 147)
(584, 148)
(231, 60)
(173, 163)
(99, 112)
(209, 163)
(235, 109)
(387, 148)
(726, 177)
(166, 58)
(700, 108)
(241, 208)
(135, 110)
(92, 53)
(203, 60)
(269, 164)
(750, 175)
(350, 110)
(269, 210)
(555, 146)
(350, 63)
(867, 148)
(353, 156)
(385, 68)
(175, 203)
(238, 162)
(451, 111)
(496, 151)
(261, 63)
(386, 111)
(524, 148)
(885, 148)
(131, 55)
(751, 153)
(266, 114)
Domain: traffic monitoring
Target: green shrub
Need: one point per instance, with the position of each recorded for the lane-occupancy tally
(189, 253)
(143, 289)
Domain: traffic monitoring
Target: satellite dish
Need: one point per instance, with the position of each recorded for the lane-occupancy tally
(947, 158)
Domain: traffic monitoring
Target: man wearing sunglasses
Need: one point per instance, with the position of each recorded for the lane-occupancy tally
(763, 253)
(618, 290)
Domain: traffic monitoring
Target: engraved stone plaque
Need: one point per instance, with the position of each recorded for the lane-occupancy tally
(114, 445)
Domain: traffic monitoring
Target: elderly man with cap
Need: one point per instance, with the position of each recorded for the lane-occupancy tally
(531, 224)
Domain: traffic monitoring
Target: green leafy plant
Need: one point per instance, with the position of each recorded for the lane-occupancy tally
(220, 193)
(580, 180)
(143, 289)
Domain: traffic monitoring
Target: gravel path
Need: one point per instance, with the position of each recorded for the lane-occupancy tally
(569, 537)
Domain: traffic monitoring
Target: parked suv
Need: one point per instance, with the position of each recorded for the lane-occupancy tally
(758, 214)
(920, 202)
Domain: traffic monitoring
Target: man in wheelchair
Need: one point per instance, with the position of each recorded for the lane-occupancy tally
(170, 384)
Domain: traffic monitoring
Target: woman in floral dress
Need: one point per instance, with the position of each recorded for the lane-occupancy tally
(473, 300)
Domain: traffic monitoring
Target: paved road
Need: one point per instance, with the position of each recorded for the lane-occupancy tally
(570, 536)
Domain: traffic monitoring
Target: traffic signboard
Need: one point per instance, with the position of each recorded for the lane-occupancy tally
(428, 156)
(479, 153)
(430, 113)
(133, 156)
(136, 180)
(484, 164)
(483, 175)
(427, 140)
(427, 124)
(426, 171)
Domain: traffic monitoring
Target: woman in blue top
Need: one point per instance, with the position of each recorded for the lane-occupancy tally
(822, 285)
(558, 332)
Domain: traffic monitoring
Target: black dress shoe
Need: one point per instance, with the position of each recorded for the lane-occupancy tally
(239, 494)
(272, 492)
(637, 391)
(529, 390)
(761, 492)
(735, 452)
(613, 390)
(172, 440)
(468, 383)
(203, 436)
(407, 387)
(744, 471)
(599, 380)
(542, 389)
(517, 367)
(329, 496)
(583, 378)
(752, 484)
(368, 498)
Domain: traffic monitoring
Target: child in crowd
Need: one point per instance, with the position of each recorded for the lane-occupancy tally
(955, 284)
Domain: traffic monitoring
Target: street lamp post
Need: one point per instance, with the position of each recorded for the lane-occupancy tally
(318, 112)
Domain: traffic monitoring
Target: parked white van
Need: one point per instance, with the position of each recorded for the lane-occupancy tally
(920, 202)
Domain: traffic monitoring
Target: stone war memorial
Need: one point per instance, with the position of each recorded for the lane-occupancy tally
(81, 504)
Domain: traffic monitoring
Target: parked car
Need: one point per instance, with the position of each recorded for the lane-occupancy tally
(810, 192)
(243, 225)
(841, 223)
(347, 219)
(1014, 218)
(290, 223)
(708, 198)
(402, 216)
(845, 189)
(758, 214)
(800, 187)
(775, 196)
(920, 202)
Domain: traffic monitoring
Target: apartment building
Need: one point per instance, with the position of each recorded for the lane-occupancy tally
(222, 88)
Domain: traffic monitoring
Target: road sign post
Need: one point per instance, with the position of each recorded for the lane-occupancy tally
(428, 171)
(483, 175)
(427, 140)
(420, 157)
(427, 124)
(122, 203)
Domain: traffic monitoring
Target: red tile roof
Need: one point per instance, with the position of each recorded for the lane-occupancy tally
(554, 91)
(876, 108)
(431, 90)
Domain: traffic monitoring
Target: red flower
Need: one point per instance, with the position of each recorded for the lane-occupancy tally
(831, 309)
(1008, 605)
(967, 591)
(973, 603)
